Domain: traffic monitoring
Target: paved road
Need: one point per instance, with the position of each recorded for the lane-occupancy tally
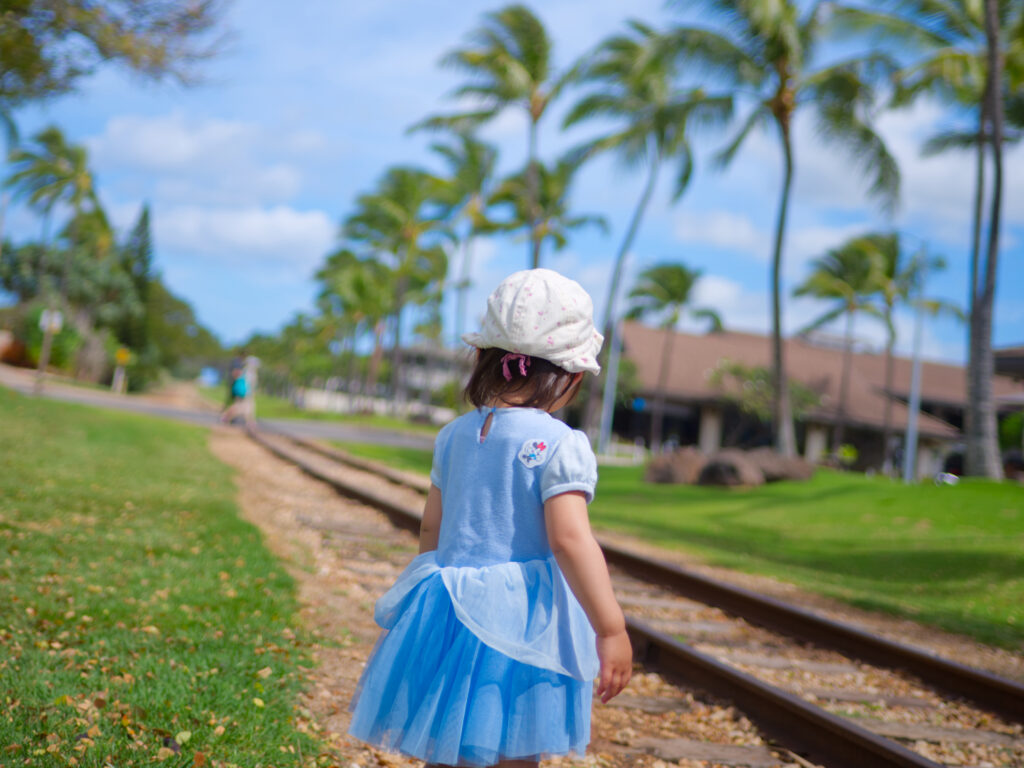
(21, 381)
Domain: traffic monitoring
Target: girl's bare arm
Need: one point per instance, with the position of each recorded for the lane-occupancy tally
(581, 560)
(430, 525)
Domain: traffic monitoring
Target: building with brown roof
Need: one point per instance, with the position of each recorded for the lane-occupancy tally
(700, 411)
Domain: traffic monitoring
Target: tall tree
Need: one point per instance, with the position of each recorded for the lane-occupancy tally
(362, 291)
(54, 172)
(550, 220)
(982, 456)
(900, 278)
(402, 223)
(47, 46)
(664, 291)
(953, 56)
(137, 262)
(466, 194)
(509, 64)
(766, 48)
(849, 275)
(631, 84)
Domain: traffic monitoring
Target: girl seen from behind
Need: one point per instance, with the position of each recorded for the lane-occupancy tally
(494, 634)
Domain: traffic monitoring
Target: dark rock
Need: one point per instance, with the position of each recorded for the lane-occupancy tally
(731, 467)
(681, 466)
(776, 467)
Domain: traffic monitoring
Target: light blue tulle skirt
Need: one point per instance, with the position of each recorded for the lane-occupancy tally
(433, 691)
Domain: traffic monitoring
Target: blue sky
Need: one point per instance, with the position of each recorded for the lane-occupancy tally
(250, 173)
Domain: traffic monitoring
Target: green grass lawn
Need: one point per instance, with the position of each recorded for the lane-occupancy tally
(406, 459)
(272, 407)
(952, 556)
(140, 618)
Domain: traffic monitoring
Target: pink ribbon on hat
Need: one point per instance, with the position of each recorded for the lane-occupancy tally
(524, 361)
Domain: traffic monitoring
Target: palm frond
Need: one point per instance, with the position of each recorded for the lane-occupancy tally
(758, 117)
(830, 316)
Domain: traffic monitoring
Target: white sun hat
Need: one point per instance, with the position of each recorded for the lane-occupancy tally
(541, 313)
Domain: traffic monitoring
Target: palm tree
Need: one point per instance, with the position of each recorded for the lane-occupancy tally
(982, 455)
(402, 223)
(631, 76)
(509, 64)
(849, 275)
(466, 192)
(765, 48)
(961, 47)
(54, 172)
(664, 291)
(550, 219)
(9, 130)
(360, 290)
(898, 280)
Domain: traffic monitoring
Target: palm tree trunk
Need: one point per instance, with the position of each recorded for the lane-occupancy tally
(373, 367)
(532, 189)
(890, 343)
(844, 383)
(462, 287)
(973, 385)
(785, 438)
(983, 444)
(658, 408)
(597, 388)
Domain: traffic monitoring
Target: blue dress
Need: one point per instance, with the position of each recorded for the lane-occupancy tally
(486, 654)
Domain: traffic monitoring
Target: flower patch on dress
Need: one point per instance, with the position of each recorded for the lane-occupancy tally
(533, 453)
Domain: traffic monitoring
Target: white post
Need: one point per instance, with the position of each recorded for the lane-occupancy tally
(611, 384)
(914, 406)
(710, 437)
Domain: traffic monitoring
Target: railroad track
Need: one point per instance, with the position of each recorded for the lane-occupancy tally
(831, 694)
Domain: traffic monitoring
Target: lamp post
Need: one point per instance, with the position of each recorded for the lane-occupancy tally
(914, 405)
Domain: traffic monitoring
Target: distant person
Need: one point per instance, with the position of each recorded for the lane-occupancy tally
(250, 370)
(490, 652)
(238, 388)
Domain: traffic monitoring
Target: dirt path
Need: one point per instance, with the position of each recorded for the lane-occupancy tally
(343, 555)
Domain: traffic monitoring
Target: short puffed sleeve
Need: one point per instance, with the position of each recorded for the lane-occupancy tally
(439, 461)
(572, 466)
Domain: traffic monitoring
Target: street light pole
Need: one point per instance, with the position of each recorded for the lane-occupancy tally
(914, 406)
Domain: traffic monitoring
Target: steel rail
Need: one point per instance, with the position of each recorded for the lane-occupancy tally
(801, 727)
(986, 690)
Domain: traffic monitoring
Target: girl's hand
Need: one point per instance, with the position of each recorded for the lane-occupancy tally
(616, 656)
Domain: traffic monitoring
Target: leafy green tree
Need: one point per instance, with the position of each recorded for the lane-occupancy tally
(766, 48)
(362, 291)
(897, 283)
(749, 388)
(136, 261)
(551, 220)
(465, 193)
(968, 54)
(47, 46)
(54, 172)
(509, 64)
(665, 291)
(185, 345)
(631, 84)
(402, 224)
(848, 275)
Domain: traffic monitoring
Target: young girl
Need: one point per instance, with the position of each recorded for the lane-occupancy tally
(495, 632)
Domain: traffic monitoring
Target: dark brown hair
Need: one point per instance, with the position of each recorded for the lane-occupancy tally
(542, 386)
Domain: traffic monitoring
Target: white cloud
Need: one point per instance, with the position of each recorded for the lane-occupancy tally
(737, 232)
(210, 160)
(168, 142)
(258, 237)
(722, 229)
